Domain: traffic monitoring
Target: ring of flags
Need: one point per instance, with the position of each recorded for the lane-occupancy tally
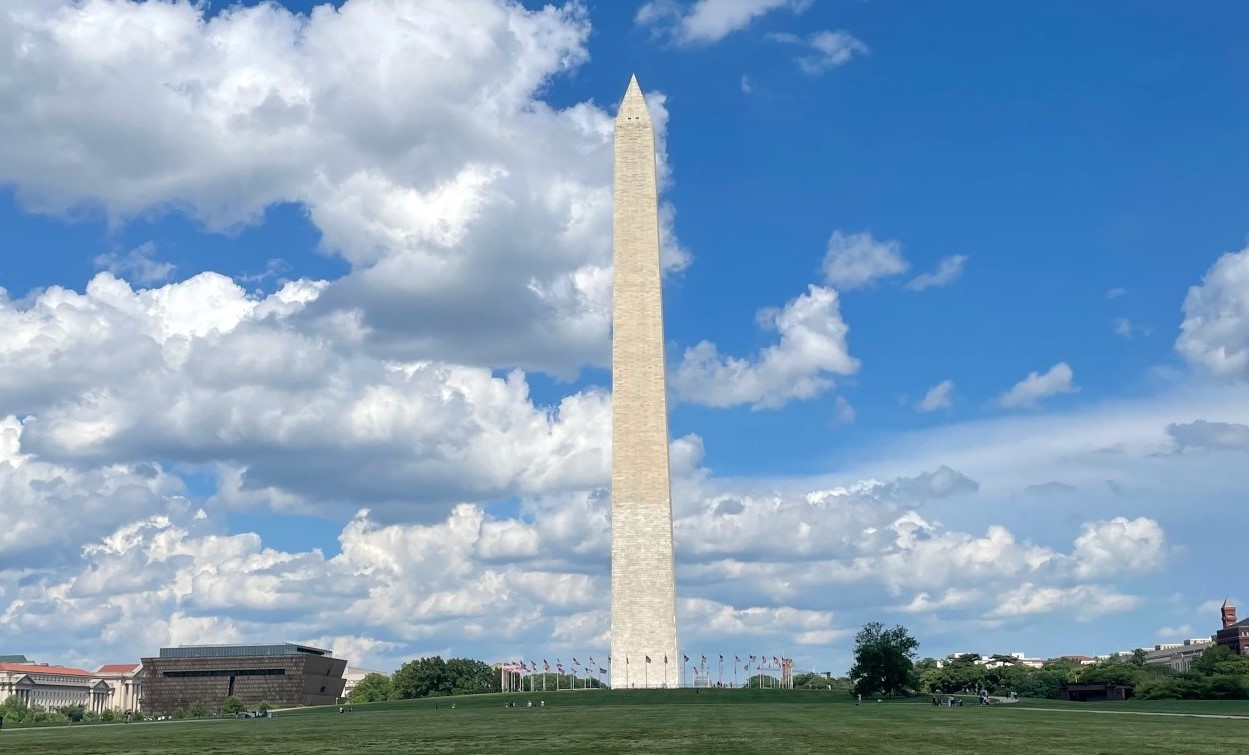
(759, 662)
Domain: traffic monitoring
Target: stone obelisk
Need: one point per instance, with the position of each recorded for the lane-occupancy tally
(643, 579)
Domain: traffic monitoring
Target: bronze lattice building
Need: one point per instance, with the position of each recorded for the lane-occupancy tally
(285, 675)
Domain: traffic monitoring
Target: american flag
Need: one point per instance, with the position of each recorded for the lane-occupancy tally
(737, 658)
(648, 659)
(545, 666)
(687, 659)
(602, 671)
(704, 660)
(722, 657)
(574, 662)
(752, 659)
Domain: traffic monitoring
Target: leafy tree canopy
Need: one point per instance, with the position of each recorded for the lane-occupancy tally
(434, 676)
(373, 688)
(233, 706)
(883, 659)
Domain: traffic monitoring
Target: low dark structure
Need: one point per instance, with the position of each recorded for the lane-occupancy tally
(1095, 692)
(284, 675)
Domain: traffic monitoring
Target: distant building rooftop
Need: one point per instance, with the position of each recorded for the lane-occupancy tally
(41, 668)
(13, 659)
(237, 651)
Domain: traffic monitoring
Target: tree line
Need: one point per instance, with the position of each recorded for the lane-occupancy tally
(884, 664)
(428, 677)
(16, 711)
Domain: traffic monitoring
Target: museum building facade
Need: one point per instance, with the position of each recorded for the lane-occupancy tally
(285, 675)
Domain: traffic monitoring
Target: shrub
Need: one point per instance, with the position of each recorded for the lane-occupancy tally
(233, 706)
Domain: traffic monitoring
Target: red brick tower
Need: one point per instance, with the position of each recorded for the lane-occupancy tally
(1229, 614)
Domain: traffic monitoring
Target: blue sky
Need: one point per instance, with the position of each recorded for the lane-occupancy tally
(303, 300)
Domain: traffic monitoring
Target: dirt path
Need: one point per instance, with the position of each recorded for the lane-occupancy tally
(1137, 713)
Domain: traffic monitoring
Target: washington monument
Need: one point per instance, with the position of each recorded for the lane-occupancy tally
(643, 580)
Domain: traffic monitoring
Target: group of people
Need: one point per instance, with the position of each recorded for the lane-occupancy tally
(953, 702)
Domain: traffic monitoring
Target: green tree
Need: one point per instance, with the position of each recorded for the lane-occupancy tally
(959, 674)
(373, 688)
(1220, 660)
(814, 680)
(73, 713)
(467, 676)
(15, 710)
(883, 659)
(108, 716)
(264, 706)
(198, 710)
(1069, 668)
(434, 676)
(1041, 683)
(1226, 687)
(420, 678)
(233, 706)
(1113, 671)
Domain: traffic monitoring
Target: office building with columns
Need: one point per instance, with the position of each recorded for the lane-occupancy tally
(125, 683)
(52, 687)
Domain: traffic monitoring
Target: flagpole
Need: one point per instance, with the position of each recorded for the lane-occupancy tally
(736, 660)
(720, 673)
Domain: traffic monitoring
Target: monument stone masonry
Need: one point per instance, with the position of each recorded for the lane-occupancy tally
(643, 580)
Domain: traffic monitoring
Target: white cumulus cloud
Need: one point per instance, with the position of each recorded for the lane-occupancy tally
(824, 50)
(949, 269)
(938, 397)
(1028, 393)
(707, 21)
(856, 260)
(201, 371)
(1215, 331)
(812, 348)
(475, 217)
(1108, 547)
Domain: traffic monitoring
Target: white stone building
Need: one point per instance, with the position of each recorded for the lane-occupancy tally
(53, 687)
(115, 687)
(1179, 656)
(125, 683)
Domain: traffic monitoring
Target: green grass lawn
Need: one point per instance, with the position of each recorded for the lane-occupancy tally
(678, 721)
